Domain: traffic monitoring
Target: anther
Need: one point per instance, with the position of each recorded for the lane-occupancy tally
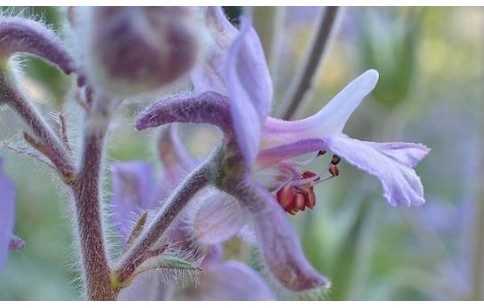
(298, 194)
(333, 169)
(335, 160)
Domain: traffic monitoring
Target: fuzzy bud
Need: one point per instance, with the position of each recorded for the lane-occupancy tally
(130, 50)
(23, 35)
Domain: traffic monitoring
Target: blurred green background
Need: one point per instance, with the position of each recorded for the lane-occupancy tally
(430, 91)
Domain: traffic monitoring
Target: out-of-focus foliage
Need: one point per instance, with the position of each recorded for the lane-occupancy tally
(430, 62)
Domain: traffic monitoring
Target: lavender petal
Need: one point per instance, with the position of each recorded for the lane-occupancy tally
(131, 194)
(250, 90)
(281, 249)
(392, 163)
(7, 214)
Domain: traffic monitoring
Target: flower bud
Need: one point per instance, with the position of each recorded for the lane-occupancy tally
(130, 50)
(23, 35)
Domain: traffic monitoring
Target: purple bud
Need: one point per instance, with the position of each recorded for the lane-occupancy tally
(209, 107)
(23, 35)
(130, 50)
(16, 243)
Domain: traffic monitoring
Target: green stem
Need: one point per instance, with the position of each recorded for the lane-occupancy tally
(304, 80)
(269, 22)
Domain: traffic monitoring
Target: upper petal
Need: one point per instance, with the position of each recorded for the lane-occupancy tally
(330, 120)
(7, 214)
(392, 163)
(289, 151)
(222, 30)
(250, 90)
(209, 75)
(175, 160)
(131, 193)
(173, 155)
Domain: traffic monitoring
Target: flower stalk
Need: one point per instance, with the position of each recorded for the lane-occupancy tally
(87, 197)
(304, 80)
(55, 150)
(269, 23)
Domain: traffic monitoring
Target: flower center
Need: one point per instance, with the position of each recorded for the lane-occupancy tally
(298, 194)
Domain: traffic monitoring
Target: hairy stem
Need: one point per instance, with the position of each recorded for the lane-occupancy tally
(304, 80)
(164, 219)
(87, 196)
(59, 156)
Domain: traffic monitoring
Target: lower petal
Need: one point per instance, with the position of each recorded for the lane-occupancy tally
(280, 247)
(228, 281)
(218, 218)
(392, 163)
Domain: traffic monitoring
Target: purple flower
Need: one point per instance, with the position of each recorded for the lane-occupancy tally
(136, 189)
(7, 217)
(196, 234)
(250, 91)
(392, 163)
(263, 148)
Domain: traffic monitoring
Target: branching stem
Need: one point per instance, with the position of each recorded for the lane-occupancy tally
(167, 214)
(87, 196)
(58, 154)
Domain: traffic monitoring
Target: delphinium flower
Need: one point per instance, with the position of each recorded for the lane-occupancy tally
(250, 181)
(235, 93)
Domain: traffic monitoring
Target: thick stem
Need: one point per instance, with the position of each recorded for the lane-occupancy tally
(59, 156)
(164, 219)
(87, 196)
(305, 77)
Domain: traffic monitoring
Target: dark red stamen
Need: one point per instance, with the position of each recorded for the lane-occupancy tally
(296, 198)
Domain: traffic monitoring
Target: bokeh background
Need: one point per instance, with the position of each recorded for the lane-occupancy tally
(430, 91)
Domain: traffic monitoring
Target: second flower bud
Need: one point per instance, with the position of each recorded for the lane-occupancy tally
(131, 50)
